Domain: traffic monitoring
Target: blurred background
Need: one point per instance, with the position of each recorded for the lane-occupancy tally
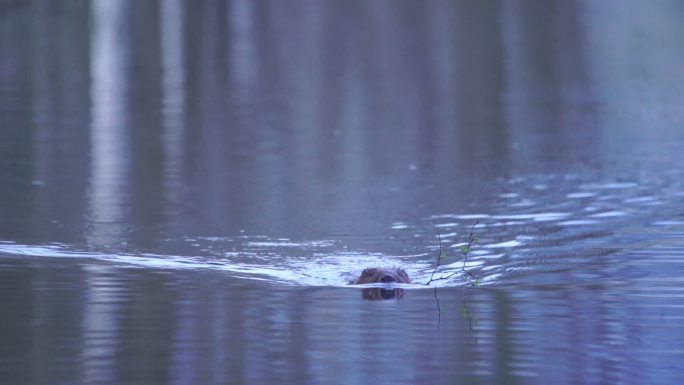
(131, 121)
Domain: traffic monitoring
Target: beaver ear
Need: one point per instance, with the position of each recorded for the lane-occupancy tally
(369, 272)
(404, 275)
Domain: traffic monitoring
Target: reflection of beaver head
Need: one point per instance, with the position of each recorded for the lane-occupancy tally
(380, 275)
(380, 293)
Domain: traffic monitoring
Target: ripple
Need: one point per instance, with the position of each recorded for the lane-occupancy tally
(538, 217)
(523, 203)
(668, 223)
(609, 186)
(608, 214)
(446, 225)
(578, 222)
(322, 269)
(512, 243)
(580, 195)
(648, 199)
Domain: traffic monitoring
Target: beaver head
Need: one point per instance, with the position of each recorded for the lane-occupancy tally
(382, 275)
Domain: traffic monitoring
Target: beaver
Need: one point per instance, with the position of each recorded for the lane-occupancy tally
(382, 275)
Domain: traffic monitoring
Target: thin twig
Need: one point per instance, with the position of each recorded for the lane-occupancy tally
(439, 257)
(471, 239)
(464, 250)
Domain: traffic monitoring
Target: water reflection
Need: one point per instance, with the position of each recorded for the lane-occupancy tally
(382, 294)
(100, 324)
(110, 138)
(173, 102)
(224, 116)
(200, 327)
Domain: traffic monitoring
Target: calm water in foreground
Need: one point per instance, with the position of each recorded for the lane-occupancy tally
(187, 187)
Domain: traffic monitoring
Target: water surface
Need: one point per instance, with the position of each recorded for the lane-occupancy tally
(186, 189)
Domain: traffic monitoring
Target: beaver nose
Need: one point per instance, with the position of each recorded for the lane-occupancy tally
(388, 279)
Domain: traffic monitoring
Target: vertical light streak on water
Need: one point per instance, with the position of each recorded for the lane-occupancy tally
(353, 122)
(324, 353)
(100, 326)
(246, 76)
(518, 72)
(242, 57)
(43, 105)
(186, 354)
(219, 334)
(514, 58)
(305, 75)
(441, 61)
(109, 168)
(109, 140)
(172, 27)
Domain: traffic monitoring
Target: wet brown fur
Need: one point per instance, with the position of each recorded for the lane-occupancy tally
(375, 275)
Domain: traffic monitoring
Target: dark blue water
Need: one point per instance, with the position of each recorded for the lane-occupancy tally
(186, 189)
